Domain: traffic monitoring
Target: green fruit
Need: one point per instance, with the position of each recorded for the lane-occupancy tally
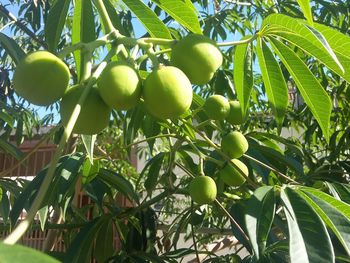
(235, 116)
(41, 78)
(198, 56)
(119, 86)
(167, 93)
(94, 114)
(202, 189)
(231, 176)
(234, 144)
(216, 107)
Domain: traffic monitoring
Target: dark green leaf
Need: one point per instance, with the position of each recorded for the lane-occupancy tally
(11, 47)
(309, 240)
(313, 93)
(55, 23)
(243, 74)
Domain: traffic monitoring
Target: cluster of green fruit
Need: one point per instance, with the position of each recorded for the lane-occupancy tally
(42, 78)
(203, 189)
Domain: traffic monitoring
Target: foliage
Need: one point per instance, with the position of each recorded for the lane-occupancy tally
(290, 72)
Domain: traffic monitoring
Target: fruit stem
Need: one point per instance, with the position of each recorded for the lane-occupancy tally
(143, 57)
(153, 57)
(104, 16)
(238, 42)
(270, 168)
(87, 66)
(151, 138)
(156, 41)
(24, 225)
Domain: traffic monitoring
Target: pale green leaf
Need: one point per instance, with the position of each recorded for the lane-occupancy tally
(55, 23)
(18, 253)
(183, 12)
(343, 207)
(335, 220)
(275, 84)
(243, 74)
(305, 37)
(309, 241)
(89, 143)
(148, 18)
(306, 8)
(313, 93)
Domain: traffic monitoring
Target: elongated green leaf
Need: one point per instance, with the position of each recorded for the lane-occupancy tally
(343, 207)
(343, 191)
(275, 84)
(154, 26)
(306, 8)
(83, 29)
(335, 220)
(55, 23)
(119, 182)
(183, 12)
(89, 143)
(309, 241)
(80, 249)
(153, 172)
(340, 43)
(11, 48)
(115, 18)
(10, 149)
(243, 74)
(258, 217)
(104, 242)
(17, 253)
(305, 37)
(313, 93)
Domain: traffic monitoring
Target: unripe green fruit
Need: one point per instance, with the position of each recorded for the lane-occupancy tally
(167, 92)
(234, 144)
(202, 189)
(231, 176)
(235, 116)
(41, 78)
(94, 114)
(198, 56)
(119, 86)
(216, 107)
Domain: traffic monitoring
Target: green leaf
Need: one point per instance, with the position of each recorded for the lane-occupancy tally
(313, 93)
(340, 43)
(343, 191)
(335, 220)
(115, 18)
(183, 12)
(309, 241)
(119, 182)
(55, 23)
(306, 8)
(155, 164)
(305, 37)
(10, 149)
(154, 26)
(341, 206)
(259, 216)
(243, 74)
(12, 48)
(83, 30)
(43, 213)
(80, 249)
(17, 253)
(104, 242)
(89, 143)
(275, 84)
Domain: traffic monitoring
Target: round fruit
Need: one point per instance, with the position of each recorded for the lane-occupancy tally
(234, 144)
(235, 116)
(216, 107)
(94, 114)
(198, 56)
(119, 86)
(203, 190)
(41, 78)
(231, 176)
(167, 92)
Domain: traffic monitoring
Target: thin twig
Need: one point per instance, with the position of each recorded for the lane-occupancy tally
(194, 237)
(18, 23)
